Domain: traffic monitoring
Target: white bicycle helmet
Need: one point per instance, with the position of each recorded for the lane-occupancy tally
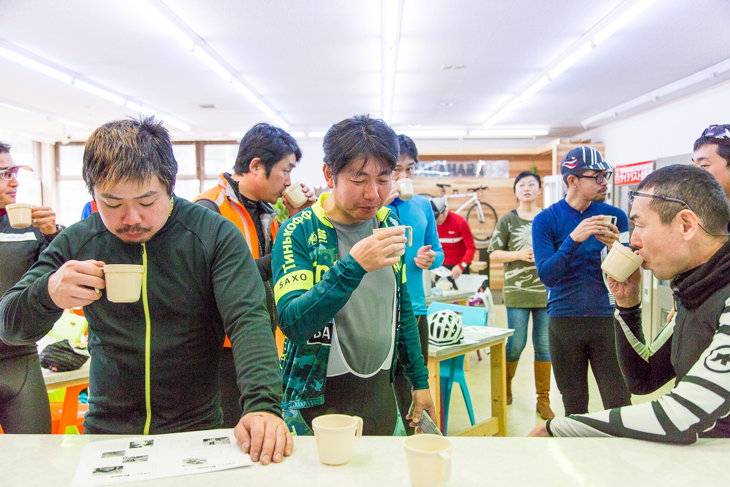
(445, 328)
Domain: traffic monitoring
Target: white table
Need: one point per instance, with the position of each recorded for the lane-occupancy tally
(50, 460)
(497, 423)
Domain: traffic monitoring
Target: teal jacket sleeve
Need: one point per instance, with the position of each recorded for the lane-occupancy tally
(409, 345)
(305, 307)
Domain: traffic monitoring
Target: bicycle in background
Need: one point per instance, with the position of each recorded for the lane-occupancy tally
(480, 215)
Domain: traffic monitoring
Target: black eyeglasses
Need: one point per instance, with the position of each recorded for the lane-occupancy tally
(717, 132)
(600, 178)
(633, 194)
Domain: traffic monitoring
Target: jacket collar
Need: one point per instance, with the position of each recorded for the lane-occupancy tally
(319, 212)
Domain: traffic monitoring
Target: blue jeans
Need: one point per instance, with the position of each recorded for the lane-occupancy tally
(517, 319)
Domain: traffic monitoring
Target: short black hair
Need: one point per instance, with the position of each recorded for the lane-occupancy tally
(4, 148)
(722, 143)
(526, 174)
(407, 147)
(360, 137)
(270, 144)
(129, 150)
(697, 188)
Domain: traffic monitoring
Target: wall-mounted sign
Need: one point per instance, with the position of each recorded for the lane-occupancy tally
(632, 173)
(480, 168)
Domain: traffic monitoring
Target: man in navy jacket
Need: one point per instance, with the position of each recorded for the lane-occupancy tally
(570, 240)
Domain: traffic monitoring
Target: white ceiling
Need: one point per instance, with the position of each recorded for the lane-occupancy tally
(316, 62)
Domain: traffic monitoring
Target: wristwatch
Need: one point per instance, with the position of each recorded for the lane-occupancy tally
(463, 265)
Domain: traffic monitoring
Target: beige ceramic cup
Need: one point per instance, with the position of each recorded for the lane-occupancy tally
(610, 219)
(621, 262)
(405, 188)
(406, 229)
(123, 282)
(335, 435)
(20, 214)
(295, 195)
(429, 460)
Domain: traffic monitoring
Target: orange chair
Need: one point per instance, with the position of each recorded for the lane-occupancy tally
(69, 413)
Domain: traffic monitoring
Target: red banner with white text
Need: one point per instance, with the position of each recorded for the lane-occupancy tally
(632, 173)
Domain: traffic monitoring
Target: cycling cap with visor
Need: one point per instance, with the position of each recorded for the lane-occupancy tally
(581, 159)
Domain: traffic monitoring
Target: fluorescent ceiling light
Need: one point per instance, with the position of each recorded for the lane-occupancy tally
(213, 64)
(570, 60)
(100, 92)
(433, 133)
(35, 65)
(659, 93)
(621, 20)
(508, 133)
(243, 89)
(536, 86)
(599, 33)
(297, 134)
(175, 122)
(317, 134)
(391, 19)
(162, 18)
(136, 107)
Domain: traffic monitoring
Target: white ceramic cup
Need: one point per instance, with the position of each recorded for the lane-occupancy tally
(621, 262)
(610, 219)
(405, 188)
(295, 195)
(429, 460)
(123, 282)
(20, 214)
(335, 435)
(406, 229)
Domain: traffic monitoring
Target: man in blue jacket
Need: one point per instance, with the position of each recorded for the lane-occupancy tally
(425, 253)
(570, 239)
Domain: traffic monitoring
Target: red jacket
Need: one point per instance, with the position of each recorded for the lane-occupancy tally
(456, 239)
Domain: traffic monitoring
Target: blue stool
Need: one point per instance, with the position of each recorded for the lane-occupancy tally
(452, 370)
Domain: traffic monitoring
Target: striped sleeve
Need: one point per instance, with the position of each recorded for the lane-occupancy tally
(694, 405)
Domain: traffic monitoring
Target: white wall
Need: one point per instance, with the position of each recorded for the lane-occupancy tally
(665, 131)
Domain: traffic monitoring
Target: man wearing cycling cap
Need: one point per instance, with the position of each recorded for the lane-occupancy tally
(570, 239)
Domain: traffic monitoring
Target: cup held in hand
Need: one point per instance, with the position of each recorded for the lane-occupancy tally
(406, 229)
(123, 282)
(335, 435)
(621, 262)
(610, 219)
(429, 460)
(20, 215)
(405, 188)
(295, 195)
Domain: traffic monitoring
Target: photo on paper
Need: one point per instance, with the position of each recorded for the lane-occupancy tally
(103, 471)
(191, 462)
(109, 454)
(221, 440)
(141, 443)
(138, 458)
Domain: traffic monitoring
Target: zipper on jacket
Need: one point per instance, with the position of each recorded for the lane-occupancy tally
(147, 344)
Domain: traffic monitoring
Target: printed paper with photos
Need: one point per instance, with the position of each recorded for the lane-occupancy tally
(133, 459)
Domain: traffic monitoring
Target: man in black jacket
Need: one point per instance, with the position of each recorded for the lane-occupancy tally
(24, 404)
(680, 215)
(155, 362)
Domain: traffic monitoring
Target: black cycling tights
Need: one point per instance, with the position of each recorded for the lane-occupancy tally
(24, 404)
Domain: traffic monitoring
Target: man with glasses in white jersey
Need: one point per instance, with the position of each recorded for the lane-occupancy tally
(570, 238)
(680, 214)
(712, 153)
